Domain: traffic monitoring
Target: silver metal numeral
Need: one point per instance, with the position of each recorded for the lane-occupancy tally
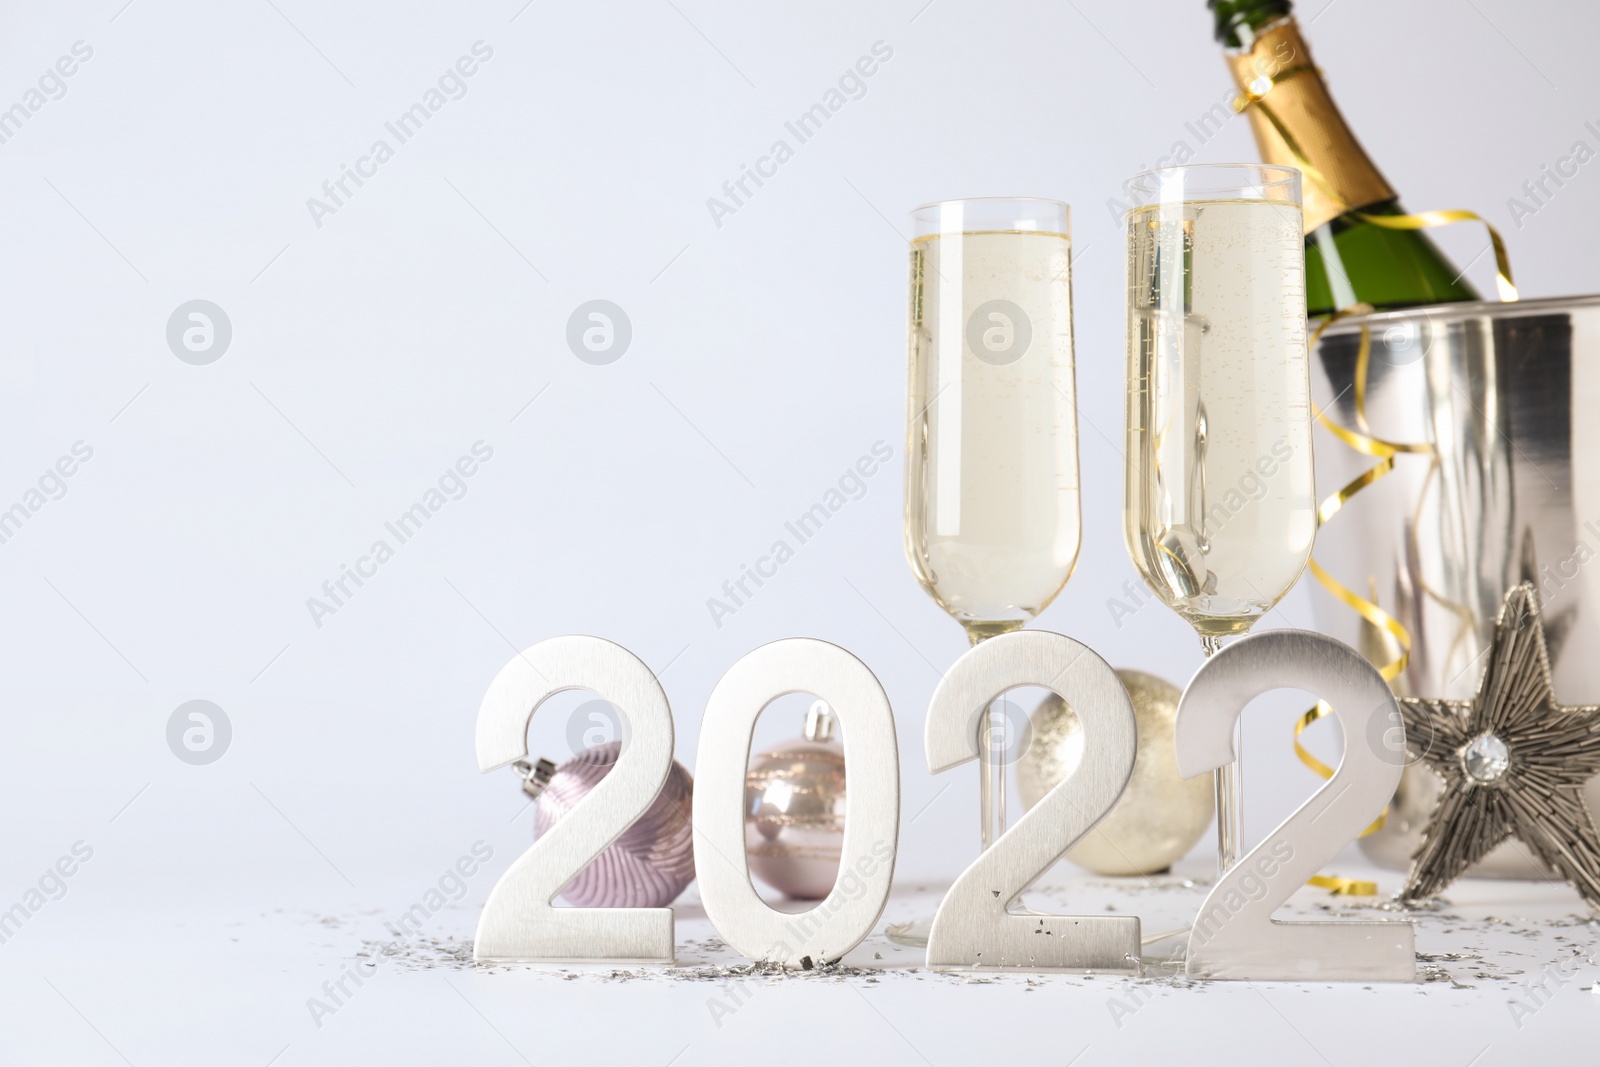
(975, 928)
(872, 803)
(1235, 936)
(519, 922)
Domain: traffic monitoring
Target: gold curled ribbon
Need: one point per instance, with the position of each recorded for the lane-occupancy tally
(1338, 885)
(1422, 220)
(1384, 451)
(1344, 887)
(1362, 440)
(1324, 771)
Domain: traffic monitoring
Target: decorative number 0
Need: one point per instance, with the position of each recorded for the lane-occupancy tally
(1235, 936)
(974, 928)
(519, 922)
(872, 803)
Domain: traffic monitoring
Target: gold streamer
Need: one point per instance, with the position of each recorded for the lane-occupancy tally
(1422, 220)
(1384, 451)
(1344, 887)
(1324, 771)
(1367, 443)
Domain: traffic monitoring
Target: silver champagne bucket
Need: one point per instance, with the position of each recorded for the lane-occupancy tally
(1508, 396)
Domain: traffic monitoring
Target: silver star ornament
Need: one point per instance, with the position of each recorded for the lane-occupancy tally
(1513, 761)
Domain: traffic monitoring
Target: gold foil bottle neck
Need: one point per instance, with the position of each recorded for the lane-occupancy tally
(1277, 67)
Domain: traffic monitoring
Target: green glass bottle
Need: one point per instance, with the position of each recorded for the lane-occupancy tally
(1348, 259)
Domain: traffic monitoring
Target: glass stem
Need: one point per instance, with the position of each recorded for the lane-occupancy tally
(992, 742)
(992, 780)
(1230, 820)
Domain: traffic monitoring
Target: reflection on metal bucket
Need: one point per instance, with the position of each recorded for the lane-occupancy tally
(1508, 396)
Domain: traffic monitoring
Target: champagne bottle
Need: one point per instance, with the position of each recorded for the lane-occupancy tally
(1348, 259)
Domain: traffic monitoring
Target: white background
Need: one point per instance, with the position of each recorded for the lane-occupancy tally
(369, 353)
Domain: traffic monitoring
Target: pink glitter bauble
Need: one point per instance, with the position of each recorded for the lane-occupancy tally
(794, 817)
(794, 800)
(652, 862)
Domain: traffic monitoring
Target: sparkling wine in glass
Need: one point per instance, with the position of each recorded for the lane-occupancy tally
(1220, 508)
(992, 518)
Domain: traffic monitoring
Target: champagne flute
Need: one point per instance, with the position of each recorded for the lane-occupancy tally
(1220, 507)
(992, 520)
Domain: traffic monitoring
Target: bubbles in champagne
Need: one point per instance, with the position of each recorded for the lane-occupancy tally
(1220, 507)
(992, 512)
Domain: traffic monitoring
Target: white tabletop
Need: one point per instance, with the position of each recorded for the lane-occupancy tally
(142, 981)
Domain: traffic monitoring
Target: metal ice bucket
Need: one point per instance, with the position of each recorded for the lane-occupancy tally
(1508, 396)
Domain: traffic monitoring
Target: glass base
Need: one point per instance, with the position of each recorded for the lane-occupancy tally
(913, 934)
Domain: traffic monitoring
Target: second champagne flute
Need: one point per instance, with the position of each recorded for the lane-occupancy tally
(1220, 506)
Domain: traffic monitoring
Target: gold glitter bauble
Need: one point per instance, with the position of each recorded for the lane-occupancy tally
(1159, 817)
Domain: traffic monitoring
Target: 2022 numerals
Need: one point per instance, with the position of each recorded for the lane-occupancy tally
(977, 926)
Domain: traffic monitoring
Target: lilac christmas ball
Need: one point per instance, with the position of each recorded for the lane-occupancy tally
(651, 863)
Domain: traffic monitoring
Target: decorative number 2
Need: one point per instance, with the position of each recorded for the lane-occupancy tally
(974, 928)
(1235, 936)
(519, 922)
(872, 803)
